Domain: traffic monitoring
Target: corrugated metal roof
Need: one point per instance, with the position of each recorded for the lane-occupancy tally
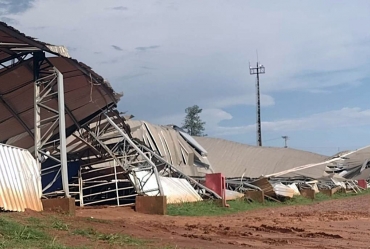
(176, 148)
(86, 92)
(20, 180)
(235, 159)
(175, 189)
(349, 160)
(18, 92)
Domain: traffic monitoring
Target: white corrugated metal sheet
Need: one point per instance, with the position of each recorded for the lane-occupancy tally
(232, 195)
(176, 190)
(20, 180)
(179, 190)
(282, 190)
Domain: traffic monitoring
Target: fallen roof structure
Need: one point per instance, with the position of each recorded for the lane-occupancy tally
(65, 114)
(174, 145)
(237, 160)
(356, 160)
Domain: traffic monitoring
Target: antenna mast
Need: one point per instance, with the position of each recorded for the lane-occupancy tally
(259, 69)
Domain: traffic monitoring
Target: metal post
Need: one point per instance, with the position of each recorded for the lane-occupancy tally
(259, 69)
(115, 178)
(37, 111)
(81, 188)
(285, 141)
(259, 132)
(37, 130)
(62, 133)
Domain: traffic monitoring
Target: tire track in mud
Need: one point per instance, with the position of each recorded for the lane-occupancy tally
(267, 234)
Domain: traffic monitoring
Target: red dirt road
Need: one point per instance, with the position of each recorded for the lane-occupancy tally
(331, 224)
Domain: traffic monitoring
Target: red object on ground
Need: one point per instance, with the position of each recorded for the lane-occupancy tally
(362, 183)
(216, 182)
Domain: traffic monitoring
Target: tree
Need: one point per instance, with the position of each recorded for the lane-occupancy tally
(192, 123)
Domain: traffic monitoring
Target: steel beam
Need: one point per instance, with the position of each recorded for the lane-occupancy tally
(37, 111)
(125, 136)
(62, 133)
(16, 116)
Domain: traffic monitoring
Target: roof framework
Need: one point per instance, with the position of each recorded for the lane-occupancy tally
(45, 100)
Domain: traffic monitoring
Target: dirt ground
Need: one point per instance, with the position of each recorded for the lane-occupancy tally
(330, 224)
(340, 223)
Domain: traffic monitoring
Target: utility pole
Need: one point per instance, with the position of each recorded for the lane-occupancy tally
(285, 140)
(259, 69)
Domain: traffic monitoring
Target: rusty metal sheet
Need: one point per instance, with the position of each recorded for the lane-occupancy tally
(20, 180)
(265, 185)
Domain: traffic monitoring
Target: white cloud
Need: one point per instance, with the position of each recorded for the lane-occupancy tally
(206, 47)
(245, 99)
(346, 117)
(197, 52)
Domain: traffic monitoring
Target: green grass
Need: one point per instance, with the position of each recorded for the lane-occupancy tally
(210, 208)
(15, 235)
(35, 233)
(59, 225)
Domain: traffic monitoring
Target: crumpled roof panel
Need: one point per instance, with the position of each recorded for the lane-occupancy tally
(235, 159)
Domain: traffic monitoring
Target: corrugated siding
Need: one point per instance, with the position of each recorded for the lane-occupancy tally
(171, 146)
(176, 190)
(20, 180)
(235, 159)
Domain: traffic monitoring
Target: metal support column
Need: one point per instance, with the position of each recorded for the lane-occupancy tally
(37, 130)
(49, 117)
(62, 133)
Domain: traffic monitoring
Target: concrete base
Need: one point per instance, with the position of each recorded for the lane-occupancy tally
(328, 192)
(151, 204)
(255, 195)
(308, 193)
(60, 205)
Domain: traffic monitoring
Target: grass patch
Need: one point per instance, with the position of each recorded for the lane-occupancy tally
(117, 239)
(16, 235)
(34, 233)
(210, 208)
(59, 225)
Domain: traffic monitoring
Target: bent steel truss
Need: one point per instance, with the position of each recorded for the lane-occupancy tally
(65, 113)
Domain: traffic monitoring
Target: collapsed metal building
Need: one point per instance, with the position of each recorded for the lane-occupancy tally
(65, 115)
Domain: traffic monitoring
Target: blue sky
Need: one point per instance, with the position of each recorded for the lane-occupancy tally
(168, 55)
